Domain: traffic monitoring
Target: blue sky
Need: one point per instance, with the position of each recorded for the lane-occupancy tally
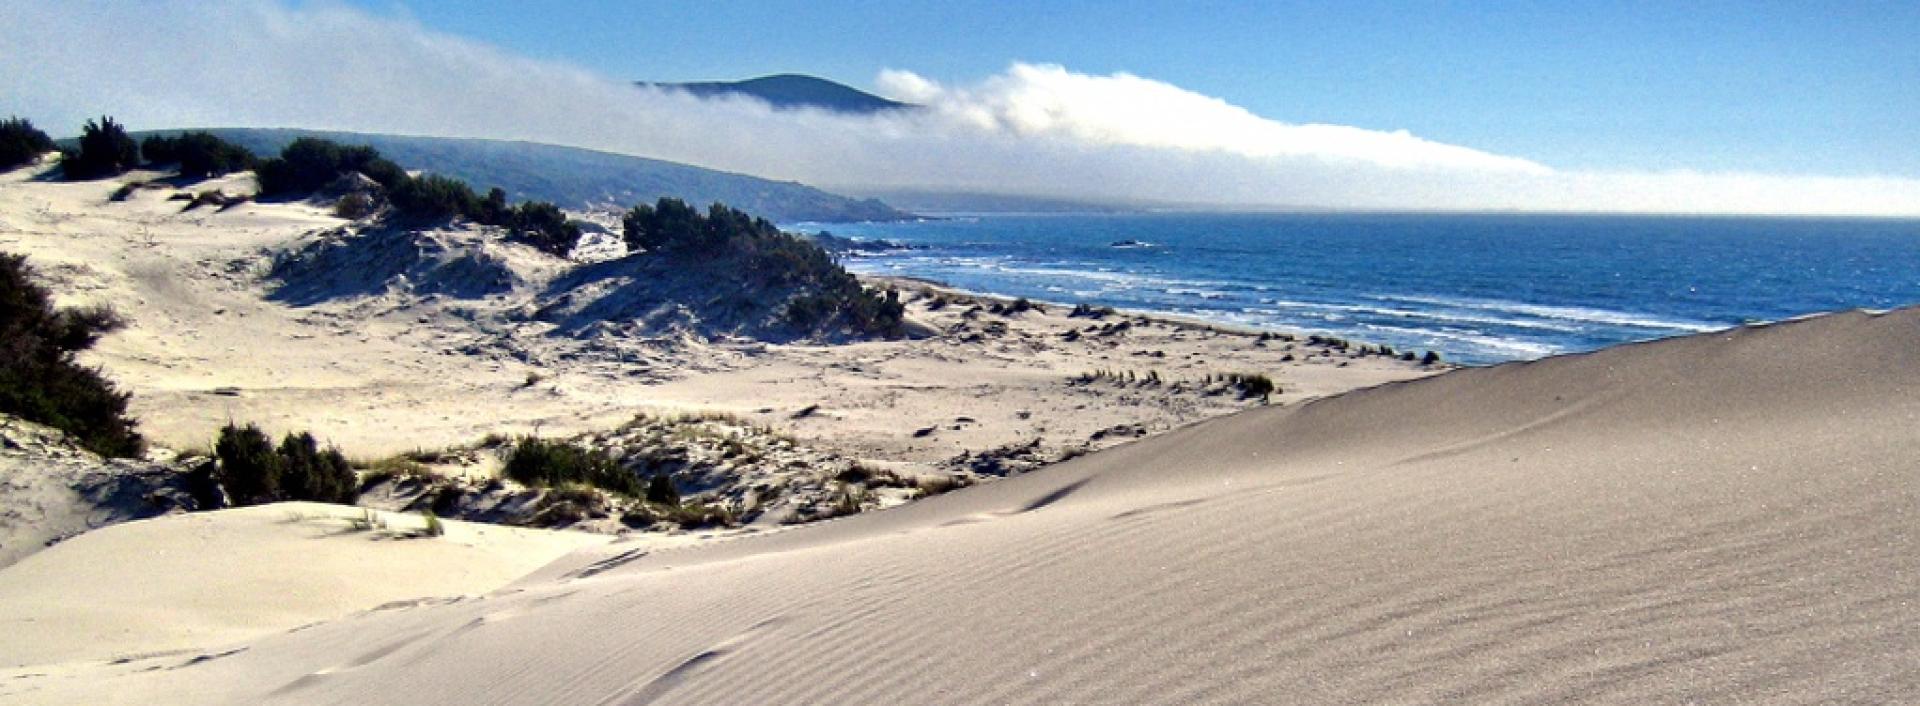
(1783, 88)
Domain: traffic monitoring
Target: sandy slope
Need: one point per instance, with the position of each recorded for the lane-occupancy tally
(1723, 518)
(183, 582)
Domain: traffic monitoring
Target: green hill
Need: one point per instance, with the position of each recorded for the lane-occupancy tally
(578, 178)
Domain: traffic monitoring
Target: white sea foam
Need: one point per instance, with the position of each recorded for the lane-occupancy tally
(1564, 313)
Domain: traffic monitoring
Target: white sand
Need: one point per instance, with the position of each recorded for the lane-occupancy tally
(182, 583)
(1724, 518)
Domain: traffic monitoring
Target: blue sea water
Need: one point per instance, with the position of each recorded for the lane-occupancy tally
(1478, 288)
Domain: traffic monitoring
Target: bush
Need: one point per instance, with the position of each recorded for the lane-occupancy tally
(314, 474)
(159, 150)
(307, 164)
(1252, 384)
(200, 155)
(20, 143)
(354, 206)
(540, 463)
(40, 381)
(433, 198)
(250, 469)
(540, 223)
(254, 472)
(105, 150)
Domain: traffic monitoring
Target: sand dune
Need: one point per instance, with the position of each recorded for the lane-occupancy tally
(1723, 518)
(184, 582)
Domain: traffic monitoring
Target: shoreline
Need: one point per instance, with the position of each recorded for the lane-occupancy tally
(1161, 317)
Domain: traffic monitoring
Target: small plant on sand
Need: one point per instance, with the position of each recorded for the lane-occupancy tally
(1252, 384)
(354, 206)
(368, 521)
(850, 500)
(930, 486)
(433, 527)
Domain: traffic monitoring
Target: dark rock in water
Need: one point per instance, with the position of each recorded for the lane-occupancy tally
(840, 246)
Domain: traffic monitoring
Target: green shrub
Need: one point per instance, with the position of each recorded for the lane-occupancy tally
(1252, 384)
(309, 163)
(310, 473)
(41, 381)
(540, 223)
(21, 143)
(540, 463)
(105, 150)
(200, 155)
(254, 472)
(433, 198)
(250, 469)
(159, 150)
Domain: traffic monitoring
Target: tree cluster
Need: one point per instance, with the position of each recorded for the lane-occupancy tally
(40, 380)
(200, 155)
(309, 164)
(828, 295)
(105, 150)
(21, 143)
(253, 471)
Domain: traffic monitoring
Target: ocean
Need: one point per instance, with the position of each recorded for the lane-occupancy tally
(1477, 288)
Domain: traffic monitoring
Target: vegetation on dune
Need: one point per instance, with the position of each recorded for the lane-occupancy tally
(253, 471)
(105, 150)
(829, 295)
(541, 463)
(1252, 384)
(307, 164)
(21, 143)
(311, 164)
(40, 380)
(200, 155)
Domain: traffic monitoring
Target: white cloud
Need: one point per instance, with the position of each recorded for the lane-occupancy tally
(1050, 102)
(1036, 129)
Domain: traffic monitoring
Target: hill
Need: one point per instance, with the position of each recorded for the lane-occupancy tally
(790, 91)
(577, 178)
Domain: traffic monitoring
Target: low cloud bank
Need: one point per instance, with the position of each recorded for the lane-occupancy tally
(1034, 129)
